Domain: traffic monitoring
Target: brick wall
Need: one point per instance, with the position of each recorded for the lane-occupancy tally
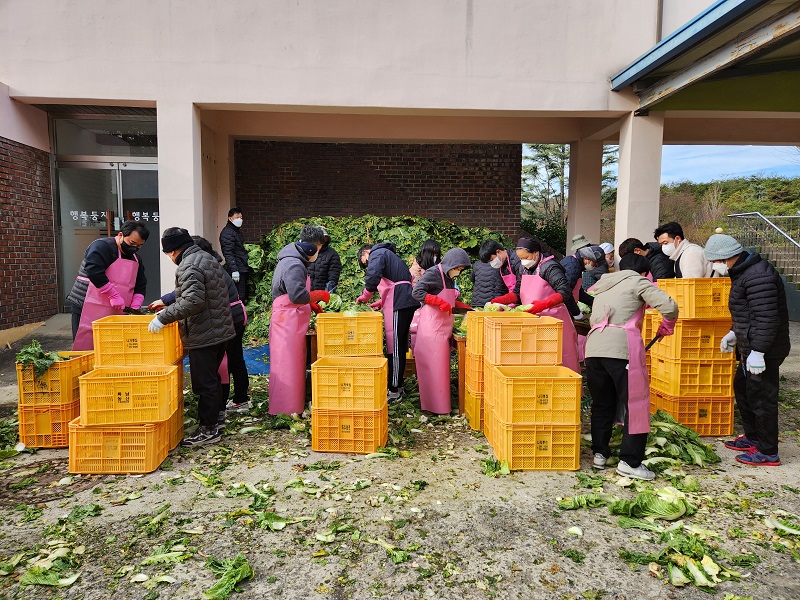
(28, 280)
(469, 184)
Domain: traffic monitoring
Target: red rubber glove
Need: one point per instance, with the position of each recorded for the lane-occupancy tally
(315, 307)
(137, 301)
(318, 295)
(549, 302)
(376, 305)
(439, 303)
(464, 306)
(509, 298)
(365, 297)
(110, 292)
(667, 327)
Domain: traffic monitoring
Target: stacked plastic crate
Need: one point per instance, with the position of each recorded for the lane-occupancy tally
(48, 403)
(131, 404)
(690, 378)
(532, 403)
(349, 409)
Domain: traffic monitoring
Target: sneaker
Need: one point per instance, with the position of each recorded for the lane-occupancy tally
(755, 458)
(599, 461)
(204, 435)
(395, 396)
(221, 418)
(640, 472)
(740, 443)
(241, 407)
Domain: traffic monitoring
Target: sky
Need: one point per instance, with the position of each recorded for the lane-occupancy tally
(701, 164)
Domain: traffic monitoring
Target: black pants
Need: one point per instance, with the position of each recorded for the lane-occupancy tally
(237, 368)
(206, 383)
(76, 319)
(241, 286)
(608, 383)
(757, 401)
(401, 325)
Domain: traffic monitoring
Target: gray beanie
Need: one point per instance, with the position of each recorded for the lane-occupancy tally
(594, 253)
(721, 247)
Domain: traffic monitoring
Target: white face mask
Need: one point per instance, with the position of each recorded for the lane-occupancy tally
(238, 222)
(720, 268)
(668, 249)
(496, 262)
(528, 263)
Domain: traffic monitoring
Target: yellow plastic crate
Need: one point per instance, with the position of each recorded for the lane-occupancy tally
(702, 298)
(176, 425)
(475, 327)
(349, 383)
(474, 409)
(339, 334)
(694, 339)
(117, 449)
(708, 416)
(129, 395)
(684, 377)
(350, 431)
(46, 425)
(528, 340)
(123, 340)
(529, 447)
(535, 394)
(58, 385)
(473, 372)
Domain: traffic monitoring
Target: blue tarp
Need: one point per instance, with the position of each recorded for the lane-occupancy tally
(257, 360)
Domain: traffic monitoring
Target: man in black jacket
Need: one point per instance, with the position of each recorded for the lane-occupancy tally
(661, 267)
(760, 335)
(231, 241)
(325, 271)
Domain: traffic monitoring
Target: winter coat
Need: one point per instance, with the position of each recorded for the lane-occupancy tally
(431, 280)
(231, 241)
(661, 267)
(690, 261)
(290, 275)
(758, 308)
(201, 301)
(97, 258)
(324, 272)
(573, 270)
(384, 262)
(553, 273)
(487, 284)
(620, 295)
(237, 309)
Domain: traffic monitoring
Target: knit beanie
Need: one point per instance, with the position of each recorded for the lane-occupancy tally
(593, 253)
(578, 242)
(175, 238)
(721, 247)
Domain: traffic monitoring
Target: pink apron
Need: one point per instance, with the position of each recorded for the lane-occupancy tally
(433, 354)
(287, 369)
(415, 319)
(386, 290)
(510, 280)
(224, 375)
(122, 273)
(534, 287)
(638, 408)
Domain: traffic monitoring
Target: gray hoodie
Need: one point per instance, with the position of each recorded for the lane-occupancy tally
(431, 280)
(290, 275)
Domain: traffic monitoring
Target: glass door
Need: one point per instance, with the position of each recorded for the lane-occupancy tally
(139, 202)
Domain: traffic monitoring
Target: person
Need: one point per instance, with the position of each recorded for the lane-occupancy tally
(574, 268)
(429, 254)
(206, 325)
(111, 277)
(661, 267)
(507, 264)
(487, 283)
(615, 362)
(608, 248)
(437, 292)
(292, 303)
(690, 262)
(231, 241)
(386, 273)
(760, 336)
(543, 283)
(594, 265)
(325, 271)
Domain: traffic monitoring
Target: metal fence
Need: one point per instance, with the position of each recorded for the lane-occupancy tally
(771, 235)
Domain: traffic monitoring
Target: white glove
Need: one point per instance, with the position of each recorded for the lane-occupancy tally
(755, 362)
(235, 276)
(155, 326)
(728, 342)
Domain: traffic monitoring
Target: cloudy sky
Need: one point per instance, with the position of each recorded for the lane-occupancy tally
(707, 163)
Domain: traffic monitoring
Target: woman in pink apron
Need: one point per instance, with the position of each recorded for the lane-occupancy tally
(430, 254)
(544, 284)
(291, 314)
(436, 289)
(615, 362)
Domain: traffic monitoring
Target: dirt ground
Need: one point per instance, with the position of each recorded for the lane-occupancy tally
(468, 535)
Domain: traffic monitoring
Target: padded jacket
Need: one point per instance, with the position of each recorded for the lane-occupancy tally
(573, 270)
(487, 284)
(758, 308)
(384, 262)
(202, 305)
(325, 271)
(661, 267)
(231, 241)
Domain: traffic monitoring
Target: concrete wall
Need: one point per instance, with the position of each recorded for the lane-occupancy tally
(675, 13)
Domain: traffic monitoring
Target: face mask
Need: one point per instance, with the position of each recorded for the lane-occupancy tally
(668, 249)
(238, 222)
(128, 249)
(496, 262)
(720, 268)
(528, 263)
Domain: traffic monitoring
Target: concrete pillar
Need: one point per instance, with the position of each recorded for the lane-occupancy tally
(585, 190)
(639, 178)
(180, 182)
(226, 197)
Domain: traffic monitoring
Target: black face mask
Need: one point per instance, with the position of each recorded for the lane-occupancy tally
(128, 249)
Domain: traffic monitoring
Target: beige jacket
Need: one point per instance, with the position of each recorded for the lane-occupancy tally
(620, 295)
(691, 260)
